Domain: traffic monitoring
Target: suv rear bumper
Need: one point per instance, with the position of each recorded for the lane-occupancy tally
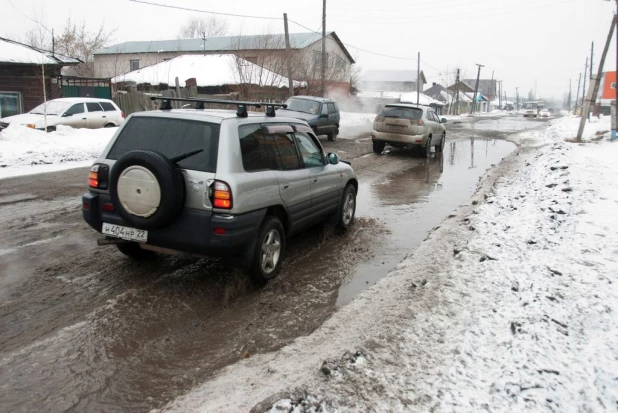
(191, 232)
(400, 139)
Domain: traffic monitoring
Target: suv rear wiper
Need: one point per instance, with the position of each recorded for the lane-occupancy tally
(185, 155)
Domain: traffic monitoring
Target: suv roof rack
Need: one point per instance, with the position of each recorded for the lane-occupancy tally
(241, 111)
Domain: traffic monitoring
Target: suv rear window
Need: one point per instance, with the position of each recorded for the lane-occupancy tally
(403, 113)
(171, 137)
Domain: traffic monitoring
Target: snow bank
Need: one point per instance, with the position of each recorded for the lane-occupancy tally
(25, 151)
(510, 305)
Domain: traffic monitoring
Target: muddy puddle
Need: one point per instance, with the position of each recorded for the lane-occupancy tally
(413, 201)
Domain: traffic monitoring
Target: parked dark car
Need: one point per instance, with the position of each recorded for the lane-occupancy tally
(322, 114)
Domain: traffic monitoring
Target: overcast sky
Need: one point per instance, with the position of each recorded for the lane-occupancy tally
(523, 42)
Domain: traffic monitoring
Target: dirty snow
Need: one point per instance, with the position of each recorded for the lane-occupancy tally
(509, 305)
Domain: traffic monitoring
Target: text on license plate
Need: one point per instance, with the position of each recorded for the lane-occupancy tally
(400, 128)
(128, 233)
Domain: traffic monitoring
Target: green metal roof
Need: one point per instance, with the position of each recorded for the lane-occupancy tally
(221, 44)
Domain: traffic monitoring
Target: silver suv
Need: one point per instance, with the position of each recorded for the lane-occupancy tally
(403, 125)
(198, 182)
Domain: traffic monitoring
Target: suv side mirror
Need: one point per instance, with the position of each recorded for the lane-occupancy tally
(333, 158)
(443, 120)
(66, 115)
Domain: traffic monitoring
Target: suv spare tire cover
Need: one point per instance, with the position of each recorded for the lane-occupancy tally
(147, 189)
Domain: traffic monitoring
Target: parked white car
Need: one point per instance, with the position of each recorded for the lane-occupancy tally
(89, 113)
(544, 113)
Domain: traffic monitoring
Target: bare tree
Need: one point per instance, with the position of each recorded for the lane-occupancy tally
(75, 41)
(200, 27)
(79, 42)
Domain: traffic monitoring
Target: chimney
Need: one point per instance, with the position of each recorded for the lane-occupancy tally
(434, 83)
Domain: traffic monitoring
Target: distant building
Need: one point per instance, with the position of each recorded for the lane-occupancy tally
(23, 72)
(487, 87)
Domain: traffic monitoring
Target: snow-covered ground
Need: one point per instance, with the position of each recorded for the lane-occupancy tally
(509, 305)
(25, 151)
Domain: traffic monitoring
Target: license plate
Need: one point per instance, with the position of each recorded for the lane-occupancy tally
(398, 128)
(128, 233)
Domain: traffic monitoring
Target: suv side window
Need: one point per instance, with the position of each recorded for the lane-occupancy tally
(286, 156)
(331, 108)
(309, 151)
(257, 150)
(324, 109)
(76, 109)
(93, 107)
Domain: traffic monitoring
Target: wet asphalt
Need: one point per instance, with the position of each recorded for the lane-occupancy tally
(84, 328)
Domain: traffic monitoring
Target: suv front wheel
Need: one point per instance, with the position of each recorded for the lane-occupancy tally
(269, 251)
(347, 211)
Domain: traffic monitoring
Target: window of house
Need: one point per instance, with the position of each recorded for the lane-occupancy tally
(11, 103)
(134, 65)
(613, 85)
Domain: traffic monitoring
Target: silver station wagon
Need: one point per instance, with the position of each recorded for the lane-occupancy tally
(200, 182)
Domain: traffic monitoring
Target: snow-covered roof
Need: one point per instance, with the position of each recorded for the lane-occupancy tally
(222, 44)
(404, 97)
(392, 76)
(15, 52)
(209, 70)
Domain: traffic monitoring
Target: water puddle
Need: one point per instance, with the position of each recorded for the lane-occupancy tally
(413, 201)
(509, 124)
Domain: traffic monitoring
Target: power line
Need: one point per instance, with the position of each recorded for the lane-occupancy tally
(205, 11)
(449, 17)
(267, 18)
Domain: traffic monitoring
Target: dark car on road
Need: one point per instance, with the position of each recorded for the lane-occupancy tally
(322, 114)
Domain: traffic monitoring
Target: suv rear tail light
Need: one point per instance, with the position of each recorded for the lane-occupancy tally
(420, 122)
(379, 118)
(221, 195)
(122, 114)
(98, 176)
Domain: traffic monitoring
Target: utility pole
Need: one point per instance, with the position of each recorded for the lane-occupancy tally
(476, 88)
(591, 64)
(323, 48)
(594, 81)
(616, 88)
(418, 79)
(457, 93)
(584, 89)
(288, 56)
(500, 95)
(579, 81)
(517, 98)
(493, 92)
